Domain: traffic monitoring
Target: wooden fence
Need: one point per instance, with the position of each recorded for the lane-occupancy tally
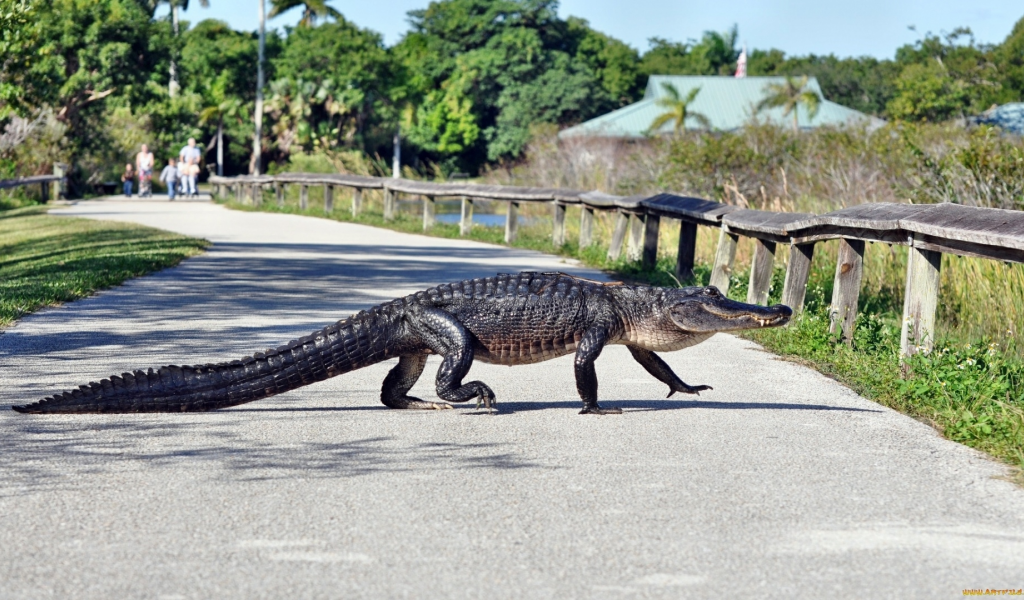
(43, 181)
(928, 230)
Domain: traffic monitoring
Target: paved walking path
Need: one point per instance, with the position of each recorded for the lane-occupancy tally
(778, 483)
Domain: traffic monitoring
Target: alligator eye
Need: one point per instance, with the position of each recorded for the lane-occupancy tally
(712, 292)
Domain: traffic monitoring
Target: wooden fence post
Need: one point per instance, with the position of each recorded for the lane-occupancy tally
(389, 205)
(621, 223)
(60, 190)
(257, 194)
(512, 222)
(761, 272)
(558, 233)
(687, 251)
(238, 192)
(303, 196)
(649, 256)
(328, 198)
(466, 216)
(846, 289)
(279, 193)
(797, 272)
(586, 226)
(724, 258)
(357, 201)
(428, 212)
(635, 247)
(920, 300)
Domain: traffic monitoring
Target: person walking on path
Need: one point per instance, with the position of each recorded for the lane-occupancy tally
(170, 175)
(126, 180)
(144, 163)
(190, 170)
(188, 152)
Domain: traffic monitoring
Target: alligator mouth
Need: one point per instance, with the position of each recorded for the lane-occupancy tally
(769, 320)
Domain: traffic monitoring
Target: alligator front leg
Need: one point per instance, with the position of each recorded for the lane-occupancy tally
(394, 393)
(590, 348)
(657, 367)
(445, 335)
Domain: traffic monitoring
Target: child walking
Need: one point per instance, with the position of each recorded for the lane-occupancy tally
(170, 175)
(126, 179)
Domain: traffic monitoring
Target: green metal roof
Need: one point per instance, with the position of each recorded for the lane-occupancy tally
(727, 102)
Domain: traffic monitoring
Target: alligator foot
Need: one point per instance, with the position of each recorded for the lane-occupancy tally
(689, 389)
(597, 410)
(486, 398)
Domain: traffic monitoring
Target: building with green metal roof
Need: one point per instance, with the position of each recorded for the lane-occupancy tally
(727, 102)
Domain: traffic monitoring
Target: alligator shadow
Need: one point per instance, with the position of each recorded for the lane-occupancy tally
(629, 405)
(70, 453)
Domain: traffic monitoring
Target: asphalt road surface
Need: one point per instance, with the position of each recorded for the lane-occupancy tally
(778, 483)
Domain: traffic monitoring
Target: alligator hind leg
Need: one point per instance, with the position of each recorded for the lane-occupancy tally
(589, 349)
(400, 380)
(446, 336)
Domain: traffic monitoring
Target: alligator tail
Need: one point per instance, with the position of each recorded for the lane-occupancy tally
(339, 348)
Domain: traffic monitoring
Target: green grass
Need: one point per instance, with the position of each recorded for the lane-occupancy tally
(47, 260)
(971, 388)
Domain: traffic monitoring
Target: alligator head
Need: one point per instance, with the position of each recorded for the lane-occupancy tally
(707, 310)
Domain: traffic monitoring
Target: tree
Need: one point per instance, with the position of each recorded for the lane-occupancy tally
(678, 110)
(223, 107)
(927, 93)
(790, 95)
(354, 74)
(714, 54)
(172, 85)
(311, 11)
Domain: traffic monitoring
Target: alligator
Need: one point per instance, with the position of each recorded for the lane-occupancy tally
(510, 319)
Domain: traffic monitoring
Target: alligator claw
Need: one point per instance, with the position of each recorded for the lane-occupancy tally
(691, 389)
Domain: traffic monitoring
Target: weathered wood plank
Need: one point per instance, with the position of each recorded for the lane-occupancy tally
(558, 231)
(635, 247)
(649, 256)
(586, 226)
(429, 207)
(687, 251)
(724, 258)
(512, 222)
(619, 235)
(920, 301)
(357, 201)
(695, 210)
(764, 221)
(846, 288)
(466, 216)
(389, 205)
(988, 226)
(799, 269)
(761, 272)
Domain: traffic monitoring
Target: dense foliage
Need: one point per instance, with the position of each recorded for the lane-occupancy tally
(86, 82)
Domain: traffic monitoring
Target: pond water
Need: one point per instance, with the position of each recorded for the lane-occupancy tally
(478, 219)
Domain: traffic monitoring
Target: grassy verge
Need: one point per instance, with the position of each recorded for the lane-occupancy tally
(971, 390)
(46, 260)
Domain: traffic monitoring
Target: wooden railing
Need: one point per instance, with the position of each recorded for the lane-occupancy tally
(43, 181)
(929, 230)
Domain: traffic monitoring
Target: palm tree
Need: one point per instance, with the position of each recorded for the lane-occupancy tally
(789, 96)
(223, 107)
(678, 109)
(172, 86)
(312, 10)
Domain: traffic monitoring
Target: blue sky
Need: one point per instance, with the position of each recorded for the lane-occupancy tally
(866, 27)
